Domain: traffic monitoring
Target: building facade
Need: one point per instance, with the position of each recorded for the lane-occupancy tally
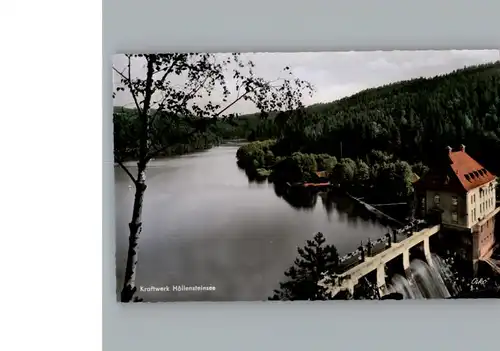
(459, 193)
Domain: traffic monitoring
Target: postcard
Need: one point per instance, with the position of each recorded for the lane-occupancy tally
(307, 176)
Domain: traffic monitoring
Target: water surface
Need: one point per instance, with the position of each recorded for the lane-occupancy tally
(206, 224)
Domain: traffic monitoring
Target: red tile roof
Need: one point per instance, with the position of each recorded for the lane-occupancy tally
(461, 174)
(468, 171)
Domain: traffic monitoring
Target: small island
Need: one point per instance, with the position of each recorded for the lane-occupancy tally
(406, 174)
(376, 147)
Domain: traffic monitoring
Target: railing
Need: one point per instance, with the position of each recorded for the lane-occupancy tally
(339, 280)
(380, 245)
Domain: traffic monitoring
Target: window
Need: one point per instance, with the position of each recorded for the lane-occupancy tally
(454, 217)
(437, 199)
(454, 200)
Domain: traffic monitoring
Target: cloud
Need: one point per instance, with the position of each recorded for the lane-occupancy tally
(340, 74)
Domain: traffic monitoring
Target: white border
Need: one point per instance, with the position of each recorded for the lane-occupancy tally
(51, 178)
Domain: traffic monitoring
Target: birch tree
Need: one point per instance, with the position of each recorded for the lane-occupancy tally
(175, 100)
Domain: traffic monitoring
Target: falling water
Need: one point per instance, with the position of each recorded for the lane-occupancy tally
(404, 287)
(425, 281)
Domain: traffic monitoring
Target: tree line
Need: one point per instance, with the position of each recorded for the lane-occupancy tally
(407, 122)
(378, 175)
(171, 117)
(317, 260)
(413, 120)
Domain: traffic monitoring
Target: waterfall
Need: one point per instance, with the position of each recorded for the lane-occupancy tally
(403, 286)
(424, 280)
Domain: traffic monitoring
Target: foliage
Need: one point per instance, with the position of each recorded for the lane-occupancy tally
(314, 259)
(410, 120)
(306, 165)
(420, 169)
(344, 172)
(362, 174)
(172, 114)
(169, 113)
(395, 179)
(183, 136)
(384, 177)
(366, 290)
(257, 154)
(465, 285)
(325, 162)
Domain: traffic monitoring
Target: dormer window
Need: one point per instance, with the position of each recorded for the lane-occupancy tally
(437, 199)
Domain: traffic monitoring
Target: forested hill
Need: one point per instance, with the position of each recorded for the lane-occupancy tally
(414, 120)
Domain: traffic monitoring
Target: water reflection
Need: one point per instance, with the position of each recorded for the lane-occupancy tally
(206, 223)
(298, 198)
(347, 210)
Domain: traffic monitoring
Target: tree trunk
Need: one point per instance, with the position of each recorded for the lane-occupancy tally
(135, 227)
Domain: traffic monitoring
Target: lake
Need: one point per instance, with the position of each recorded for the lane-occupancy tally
(205, 223)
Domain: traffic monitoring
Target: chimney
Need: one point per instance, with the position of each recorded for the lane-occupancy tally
(462, 147)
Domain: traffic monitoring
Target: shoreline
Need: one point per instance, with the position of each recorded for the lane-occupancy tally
(236, 142)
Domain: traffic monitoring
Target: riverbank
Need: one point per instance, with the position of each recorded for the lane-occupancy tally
(380, 177)
(190, 150)
(206, 223)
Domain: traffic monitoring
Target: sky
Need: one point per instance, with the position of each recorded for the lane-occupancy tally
(335, 75)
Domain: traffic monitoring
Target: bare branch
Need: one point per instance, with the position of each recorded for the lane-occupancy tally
(231, 104)
(120, 73)
(129, 83)
(184, 100)
(168, 71)
(127, 171)
(132, 91)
